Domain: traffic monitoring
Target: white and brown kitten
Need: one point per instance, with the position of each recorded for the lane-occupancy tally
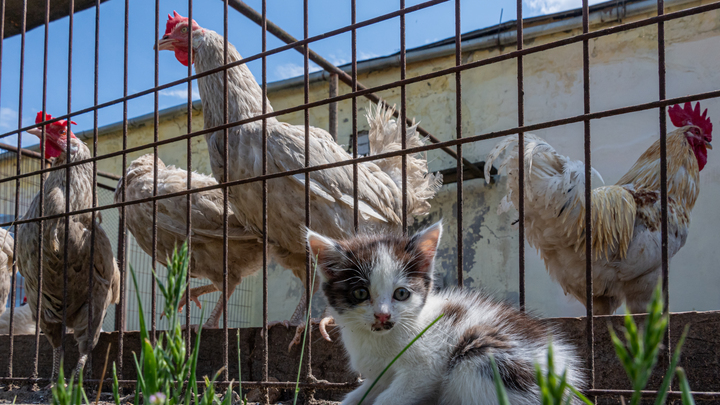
(380, 291)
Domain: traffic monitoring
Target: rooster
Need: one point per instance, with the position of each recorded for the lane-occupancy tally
(626, 217)
(244, 249)
(105, 272)
(331, 190)
(6, 266)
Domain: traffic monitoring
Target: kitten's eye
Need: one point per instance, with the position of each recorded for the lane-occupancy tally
(401, 294)
(360, 294)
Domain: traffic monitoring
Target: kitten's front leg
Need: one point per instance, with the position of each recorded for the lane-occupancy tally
(410, 389)
(354, 397)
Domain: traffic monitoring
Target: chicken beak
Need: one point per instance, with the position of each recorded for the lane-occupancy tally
(35, 131)
(708, 145)
(165, 44)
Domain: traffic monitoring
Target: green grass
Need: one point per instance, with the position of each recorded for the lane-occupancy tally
(638, 355)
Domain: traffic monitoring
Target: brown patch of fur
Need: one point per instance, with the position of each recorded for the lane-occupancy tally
(455, 311)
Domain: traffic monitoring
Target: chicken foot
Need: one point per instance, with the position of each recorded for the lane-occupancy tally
(195, 293)
(298, 318)
(56, 367)
(213, 321)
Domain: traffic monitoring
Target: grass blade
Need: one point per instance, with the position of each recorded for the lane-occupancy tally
(398, 356)
(499, 386)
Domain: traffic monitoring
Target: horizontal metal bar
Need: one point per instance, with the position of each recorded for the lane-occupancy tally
(36, 155)
(648, 393)
(250, 384)
(230, 65)
(510, 55)
(418, 149)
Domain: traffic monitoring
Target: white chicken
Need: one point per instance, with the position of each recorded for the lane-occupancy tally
(331, 190)
(244, 247)
(103, 267)
(626, 217)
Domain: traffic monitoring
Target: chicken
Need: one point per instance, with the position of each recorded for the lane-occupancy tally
(23, 323)
(331, 190)
(105, 272)
(626, 217)
(244, 247)
(6, 266)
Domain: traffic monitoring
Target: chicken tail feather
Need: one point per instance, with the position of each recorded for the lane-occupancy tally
(386, 136)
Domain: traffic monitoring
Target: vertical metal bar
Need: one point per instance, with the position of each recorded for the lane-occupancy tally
(356, 211)
(68, 179)
(41, 206)
(663, 173)
(156, 124)
(333, 107)
(225, 193)
(188, 199)
(308, 276)
(93, 229)
(403, 119)
(264, 205)
(17, 162)
(122, 226)
(590, 326)
(521, 164)
(459, 149)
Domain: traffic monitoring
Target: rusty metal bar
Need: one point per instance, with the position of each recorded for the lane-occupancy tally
(17, 171)
(122, 226)
(226, 159)
(403, 119)
(156, 125)
(93, 229)
(308, 220)
(68, 184)
(424, 148)
(188, 201)
(466, 66)
(265, 330)
(416, 79)
(665, 256)
(521, 164)
(333, 107)
(282, 35)
(354, 88)
(589, 326)
(458, 149)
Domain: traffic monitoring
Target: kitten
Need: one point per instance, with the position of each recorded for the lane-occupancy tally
(379, 289)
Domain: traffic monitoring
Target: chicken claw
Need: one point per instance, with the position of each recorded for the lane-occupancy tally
(322, 324)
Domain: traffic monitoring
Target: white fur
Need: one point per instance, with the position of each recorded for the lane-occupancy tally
(422, 375)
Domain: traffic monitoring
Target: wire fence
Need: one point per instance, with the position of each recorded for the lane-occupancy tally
(25, 176)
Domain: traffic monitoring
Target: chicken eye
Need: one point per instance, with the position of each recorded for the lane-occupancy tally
(401, 294)
(184, 30)
(360, 294)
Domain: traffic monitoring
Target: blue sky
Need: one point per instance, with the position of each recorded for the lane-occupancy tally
(423, 27)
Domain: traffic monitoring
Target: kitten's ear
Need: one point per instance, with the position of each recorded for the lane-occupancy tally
(426, 242)
(322, 249)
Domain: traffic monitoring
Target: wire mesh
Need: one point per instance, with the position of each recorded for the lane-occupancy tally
(20, 182)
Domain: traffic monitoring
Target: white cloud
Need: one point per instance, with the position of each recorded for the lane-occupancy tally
(289, 70)
(553, 6)
(366, 55)
(8, 118)
(180, 93)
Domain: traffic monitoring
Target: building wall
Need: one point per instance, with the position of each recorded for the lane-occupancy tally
(623, 72)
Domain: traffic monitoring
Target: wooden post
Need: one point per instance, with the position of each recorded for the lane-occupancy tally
(333, 113)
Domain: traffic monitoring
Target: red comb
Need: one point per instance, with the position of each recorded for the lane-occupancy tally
(39, 118)
(681, 117)
(176, 19)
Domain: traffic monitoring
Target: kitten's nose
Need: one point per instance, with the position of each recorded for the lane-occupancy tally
(382, 317)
